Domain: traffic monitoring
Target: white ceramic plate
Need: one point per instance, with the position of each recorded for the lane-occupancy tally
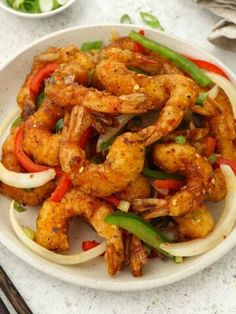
(94, 274)
(6, 7)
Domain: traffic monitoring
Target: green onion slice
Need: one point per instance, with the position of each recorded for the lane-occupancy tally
(30, 6)
(212, 158)
(59, 125)
(91, 45)
(180, 139)
(40, 98)
(201, 98)
(125, 19)
(151, 20)
(18, 207)
(17, 122)
(29, 232)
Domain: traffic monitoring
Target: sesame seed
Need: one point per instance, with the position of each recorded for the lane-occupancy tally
(81, 169)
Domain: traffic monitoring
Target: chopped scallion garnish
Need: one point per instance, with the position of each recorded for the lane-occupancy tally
(18, 207)
(59, 125)
(212, 158)
(201, 98)
(178, 259)
(29, 232)
(17, 122)
(91, 45)
(151, 20)
(180, 139)
(125, 19)
(40, 98)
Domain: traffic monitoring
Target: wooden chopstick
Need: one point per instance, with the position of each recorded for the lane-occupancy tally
(13, 294)
(3, 308)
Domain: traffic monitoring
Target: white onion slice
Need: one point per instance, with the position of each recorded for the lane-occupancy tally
(222, 228)
(25, 180)
(22, 180)
(122, 119)
(213, 92)
(49, 255)
(227, 86)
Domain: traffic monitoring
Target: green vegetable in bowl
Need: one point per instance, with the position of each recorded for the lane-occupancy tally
(36, 6)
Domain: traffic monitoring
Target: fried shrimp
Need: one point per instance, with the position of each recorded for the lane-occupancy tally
(139, 188)
(130, 58)
(200, 178)
(115, 173)
(195, 224)
(26, 196)
(65, 89)
(26, 99)
(39, 140)
(173, 93)
(162, 65)
(135, 255)
(54, 219)
(221, 120)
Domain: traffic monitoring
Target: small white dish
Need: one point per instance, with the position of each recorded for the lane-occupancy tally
(6, 7)
(94, 273)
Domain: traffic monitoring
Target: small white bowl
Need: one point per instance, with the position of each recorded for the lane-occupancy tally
(6, 7)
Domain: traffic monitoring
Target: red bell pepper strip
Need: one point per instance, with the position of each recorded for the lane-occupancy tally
(208, 66)
(112, 200)
(210, 143)
(223, 161)
(65, 183)
(63, 187)
(23, 159)
(84, 138)
(171, 184)
(89, 244)
(137, 47)
(38, 79)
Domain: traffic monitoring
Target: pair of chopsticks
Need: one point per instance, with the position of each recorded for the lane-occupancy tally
(12, 294)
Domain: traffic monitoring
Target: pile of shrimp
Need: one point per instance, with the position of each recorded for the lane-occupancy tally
(91, 91)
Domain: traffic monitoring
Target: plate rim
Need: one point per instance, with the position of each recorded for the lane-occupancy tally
(210, 257)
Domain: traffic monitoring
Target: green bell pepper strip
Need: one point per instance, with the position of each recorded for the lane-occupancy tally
(155, 174)
(137, 226)
(183, 63)
(141, 229)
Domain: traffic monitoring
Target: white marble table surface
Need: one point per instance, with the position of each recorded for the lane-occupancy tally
(210, 291)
